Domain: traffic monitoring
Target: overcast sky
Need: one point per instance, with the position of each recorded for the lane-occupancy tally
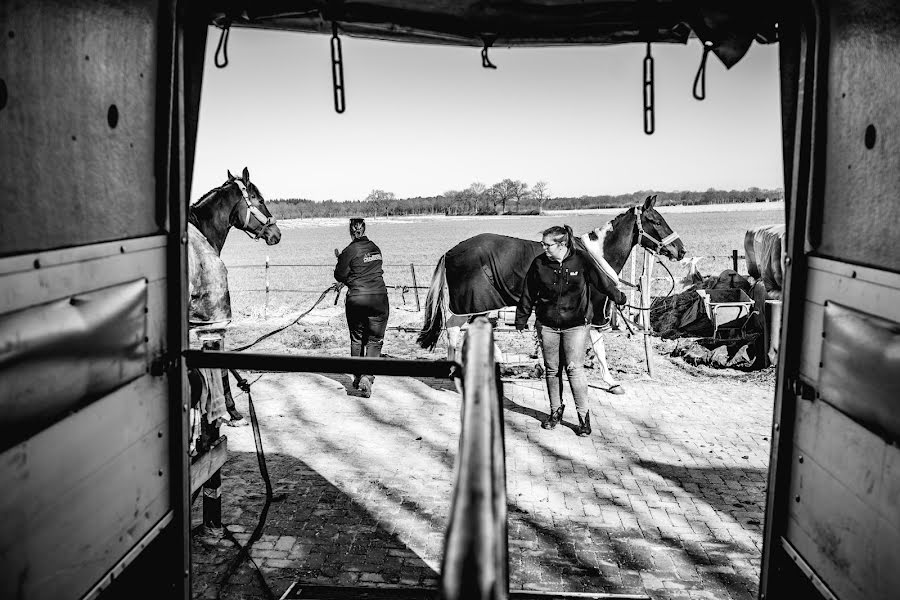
(421, 120)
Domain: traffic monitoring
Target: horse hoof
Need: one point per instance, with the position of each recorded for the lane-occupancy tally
(242, 422)
(366, 387)
(616, 389)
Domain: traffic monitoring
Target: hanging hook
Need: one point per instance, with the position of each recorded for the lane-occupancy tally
(337, 70)
(701, 72)
(649, 110)
(485, 61)
(223, 46)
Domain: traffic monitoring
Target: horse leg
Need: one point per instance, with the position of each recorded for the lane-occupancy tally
(602, 366)
(454, 336)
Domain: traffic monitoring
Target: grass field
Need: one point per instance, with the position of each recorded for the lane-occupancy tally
(712, 234)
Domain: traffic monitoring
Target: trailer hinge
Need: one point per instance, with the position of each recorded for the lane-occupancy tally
(802, 389)
(163, 364)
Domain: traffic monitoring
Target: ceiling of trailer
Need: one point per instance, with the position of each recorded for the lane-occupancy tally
(728, 27)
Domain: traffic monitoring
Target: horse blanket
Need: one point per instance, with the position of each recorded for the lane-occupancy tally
(208, 282)
(487, 272)
(764, 249)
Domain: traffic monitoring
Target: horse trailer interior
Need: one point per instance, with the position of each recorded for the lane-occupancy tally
(99, 105)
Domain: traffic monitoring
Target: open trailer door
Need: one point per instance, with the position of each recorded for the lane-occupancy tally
(833, 523)
(93, 422)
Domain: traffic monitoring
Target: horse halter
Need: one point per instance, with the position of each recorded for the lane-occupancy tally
(264, 221)
(660, 244)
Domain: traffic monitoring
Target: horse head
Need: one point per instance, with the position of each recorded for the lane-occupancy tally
(249, 213)
(654, 233)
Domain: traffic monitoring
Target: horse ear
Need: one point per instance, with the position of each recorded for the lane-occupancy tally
(649, 202)
(246, 176)
(230, 176)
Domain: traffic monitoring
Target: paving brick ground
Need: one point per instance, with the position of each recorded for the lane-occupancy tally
(665, 498)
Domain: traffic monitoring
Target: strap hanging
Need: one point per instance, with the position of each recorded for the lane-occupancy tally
(485, 61)
(337, 70)
(649, 110)
(223, 46)
(701, 73)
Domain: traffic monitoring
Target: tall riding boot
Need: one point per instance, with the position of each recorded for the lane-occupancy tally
(584, 425)
(356, 349)
(554, 418)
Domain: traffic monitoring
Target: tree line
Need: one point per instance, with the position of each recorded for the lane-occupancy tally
(505, 197)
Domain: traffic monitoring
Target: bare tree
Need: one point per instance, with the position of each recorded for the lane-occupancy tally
(509, 190)
(541, 191)
(383, 201)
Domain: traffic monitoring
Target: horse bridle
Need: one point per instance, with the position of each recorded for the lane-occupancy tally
(660, 244)
(252, 209)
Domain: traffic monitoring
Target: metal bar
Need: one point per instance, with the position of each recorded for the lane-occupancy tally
(476, 559)
(734, 259)
(197, 359)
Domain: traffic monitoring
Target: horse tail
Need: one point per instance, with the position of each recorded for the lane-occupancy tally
(436, 305)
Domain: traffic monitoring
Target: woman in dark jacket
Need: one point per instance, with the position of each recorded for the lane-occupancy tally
(557, 289)
(359, 267)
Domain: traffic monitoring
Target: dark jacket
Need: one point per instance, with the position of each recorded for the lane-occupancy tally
(359, 268)
(560, 293)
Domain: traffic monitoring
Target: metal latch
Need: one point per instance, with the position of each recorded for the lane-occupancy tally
(163, 364)
(802, 389)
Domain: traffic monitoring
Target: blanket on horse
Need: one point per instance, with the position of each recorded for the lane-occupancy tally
(487, 272)
(764, 249)
(208, 282)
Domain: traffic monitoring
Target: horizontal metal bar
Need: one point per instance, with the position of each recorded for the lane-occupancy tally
(199, 359)
(263, 265)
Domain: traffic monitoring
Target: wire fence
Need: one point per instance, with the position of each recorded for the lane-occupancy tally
(270, 285)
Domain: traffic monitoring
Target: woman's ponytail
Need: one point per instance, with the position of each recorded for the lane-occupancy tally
(570, 237)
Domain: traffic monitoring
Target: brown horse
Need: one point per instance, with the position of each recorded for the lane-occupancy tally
(236, 203)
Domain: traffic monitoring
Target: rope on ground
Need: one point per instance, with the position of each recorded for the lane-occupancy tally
(244, 553)
(335, 287)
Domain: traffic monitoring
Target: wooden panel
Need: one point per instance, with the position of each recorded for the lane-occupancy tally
(81, 493)
(845, 523)
(867, 290)
(38, 286)
(860, 210)
(812, 341)
(72, 71)
(208, 463)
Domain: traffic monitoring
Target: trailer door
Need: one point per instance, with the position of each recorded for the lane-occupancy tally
(93, 466)
(833, 523)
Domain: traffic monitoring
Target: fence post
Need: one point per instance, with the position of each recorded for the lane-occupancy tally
(734, 259)
(266, 305)
(645, 304)
(633, 279)
(412, 269)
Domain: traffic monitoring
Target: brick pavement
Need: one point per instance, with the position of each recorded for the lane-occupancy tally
(665, 498)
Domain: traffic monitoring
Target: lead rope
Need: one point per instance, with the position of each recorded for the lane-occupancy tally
(244, 553)
(336, 287)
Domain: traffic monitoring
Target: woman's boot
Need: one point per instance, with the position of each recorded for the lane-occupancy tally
(365, 385)
(584, 425)
(554, 418)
